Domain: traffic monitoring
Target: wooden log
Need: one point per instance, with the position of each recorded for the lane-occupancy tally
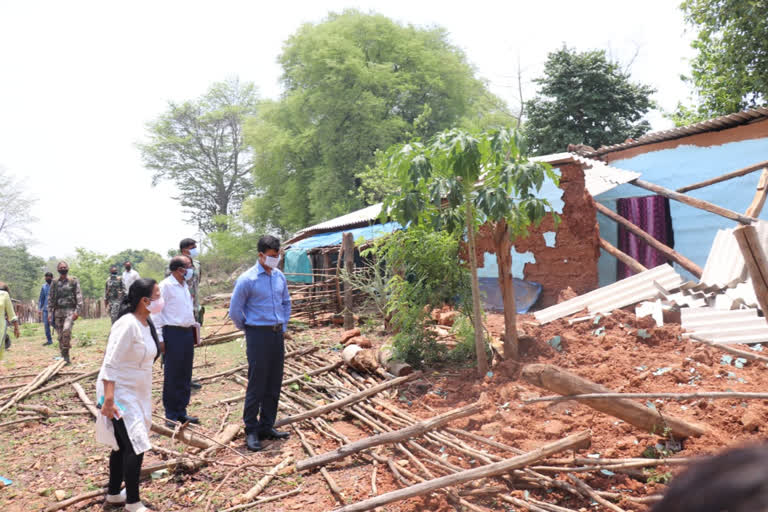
(348, 246)
(394, 366)
(335, 489)
(622, 256)
(221, 338)
(724, 177)
(715, 395)
(756, 261)
(573, 442)
(38, 381)
(727, 348)
(760, 194)
(182, 435)
(566, 383)
(266, 479)
(84, 398)
(667, 251)
(262, 501)
(388, 437)
(77, 499)
(692, 201)
(338, 404)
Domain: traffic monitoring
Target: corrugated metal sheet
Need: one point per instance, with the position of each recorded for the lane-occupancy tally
(358, 218)
(716, 124)
(736, 326)
(725, 265)
(639, 287)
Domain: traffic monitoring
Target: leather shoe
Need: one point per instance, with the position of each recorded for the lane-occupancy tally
(252, 442)
(273, 434)
(189, 419)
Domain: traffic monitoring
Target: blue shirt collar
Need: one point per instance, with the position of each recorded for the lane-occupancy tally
(259, 268)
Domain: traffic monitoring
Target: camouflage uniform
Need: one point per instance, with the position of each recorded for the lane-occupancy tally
(113, 294)
(64, 300)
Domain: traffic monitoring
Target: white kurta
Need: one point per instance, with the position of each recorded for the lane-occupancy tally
(128, 362)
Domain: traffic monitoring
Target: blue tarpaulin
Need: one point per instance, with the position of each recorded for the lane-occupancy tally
(526, 294)
(330, 239)
(297, 262)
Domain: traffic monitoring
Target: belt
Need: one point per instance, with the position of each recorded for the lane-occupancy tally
(273, 328)
(179, 327)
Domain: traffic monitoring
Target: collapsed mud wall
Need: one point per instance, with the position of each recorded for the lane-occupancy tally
(570, 260)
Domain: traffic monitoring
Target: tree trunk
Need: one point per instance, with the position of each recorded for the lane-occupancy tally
(504, 260)
(348, 247)
(482, 361)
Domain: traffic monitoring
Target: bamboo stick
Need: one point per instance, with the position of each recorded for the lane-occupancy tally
(266, 479)
(729, 349)
(332, 485)
(696, 203)
(498, 468)
(718, 395)
(756, 262)
(760, 195)
(667, 251)
(389, 437)
(64, 382)
(724, 177)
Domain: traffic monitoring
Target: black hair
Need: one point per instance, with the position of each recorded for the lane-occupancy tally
(187, 242)
(112, 267)
(733, 481)
(178, 262)
(49, 274)
(268, 242)
(140, 288)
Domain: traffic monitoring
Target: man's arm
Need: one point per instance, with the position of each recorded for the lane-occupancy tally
(78, 298)
(237, 304)
(121, 290)
(51, 300)
(286, 303)
(11, 314)
(41, 298)
(106, 291)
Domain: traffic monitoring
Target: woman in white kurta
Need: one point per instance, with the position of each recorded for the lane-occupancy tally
(124, 389)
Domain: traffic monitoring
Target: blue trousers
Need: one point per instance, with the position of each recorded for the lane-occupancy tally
(266, 351)
(47, 325)
(177, 377)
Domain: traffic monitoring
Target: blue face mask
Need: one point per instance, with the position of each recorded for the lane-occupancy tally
(194, 252)
(189, 273)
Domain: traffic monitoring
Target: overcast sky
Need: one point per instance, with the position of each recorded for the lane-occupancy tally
(79, 80)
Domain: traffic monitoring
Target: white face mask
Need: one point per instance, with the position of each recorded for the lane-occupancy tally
(156, 306)
(194, 252)
(271, 261)
(189, 273)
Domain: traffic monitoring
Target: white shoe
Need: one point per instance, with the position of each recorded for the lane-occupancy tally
(136, 507)
(116, 499)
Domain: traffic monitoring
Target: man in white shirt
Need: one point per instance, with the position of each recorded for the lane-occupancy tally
(177, 331)
(129, 276)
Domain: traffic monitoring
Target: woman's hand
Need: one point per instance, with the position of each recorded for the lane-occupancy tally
(110, 410)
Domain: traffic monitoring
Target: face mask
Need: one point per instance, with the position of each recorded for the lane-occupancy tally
(156, 306)
(114, 273)
(127, 269)
(189, 273)
(194, 252)
(63, 271)
(49, 280)
(271, 261)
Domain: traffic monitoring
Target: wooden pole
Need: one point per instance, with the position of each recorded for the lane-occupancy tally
(760, 194)
(388, 437)
(348, 246)
(566, 383)
(715, 395)
(497, 468)
(757, 264)
(692, 201)
(726, 348)
(650, 240)
(338, 404)
(724, 177)
(622, 256)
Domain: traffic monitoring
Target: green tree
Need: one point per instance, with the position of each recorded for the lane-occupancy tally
(584, 98)
(21, 271)
(730, 69)
(353, 84)
(91, 269)
(198, 145)
(441, 187)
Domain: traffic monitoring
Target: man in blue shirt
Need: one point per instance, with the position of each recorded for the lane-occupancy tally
(261, 306)
(42, 305)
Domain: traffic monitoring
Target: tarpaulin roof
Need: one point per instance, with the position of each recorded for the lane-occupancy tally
(330, 239)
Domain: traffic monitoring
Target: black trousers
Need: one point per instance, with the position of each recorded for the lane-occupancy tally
(266, 351)
(124, 465)
(177, 378)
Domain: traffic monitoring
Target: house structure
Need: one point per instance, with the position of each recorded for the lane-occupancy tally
(681, 159)
(545, 263)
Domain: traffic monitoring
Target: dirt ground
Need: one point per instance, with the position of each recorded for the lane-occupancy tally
(617, 351)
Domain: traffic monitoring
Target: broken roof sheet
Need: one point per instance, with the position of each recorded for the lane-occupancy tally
(631, 290)
(725, 265)
(711, 125)
(718, 326)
